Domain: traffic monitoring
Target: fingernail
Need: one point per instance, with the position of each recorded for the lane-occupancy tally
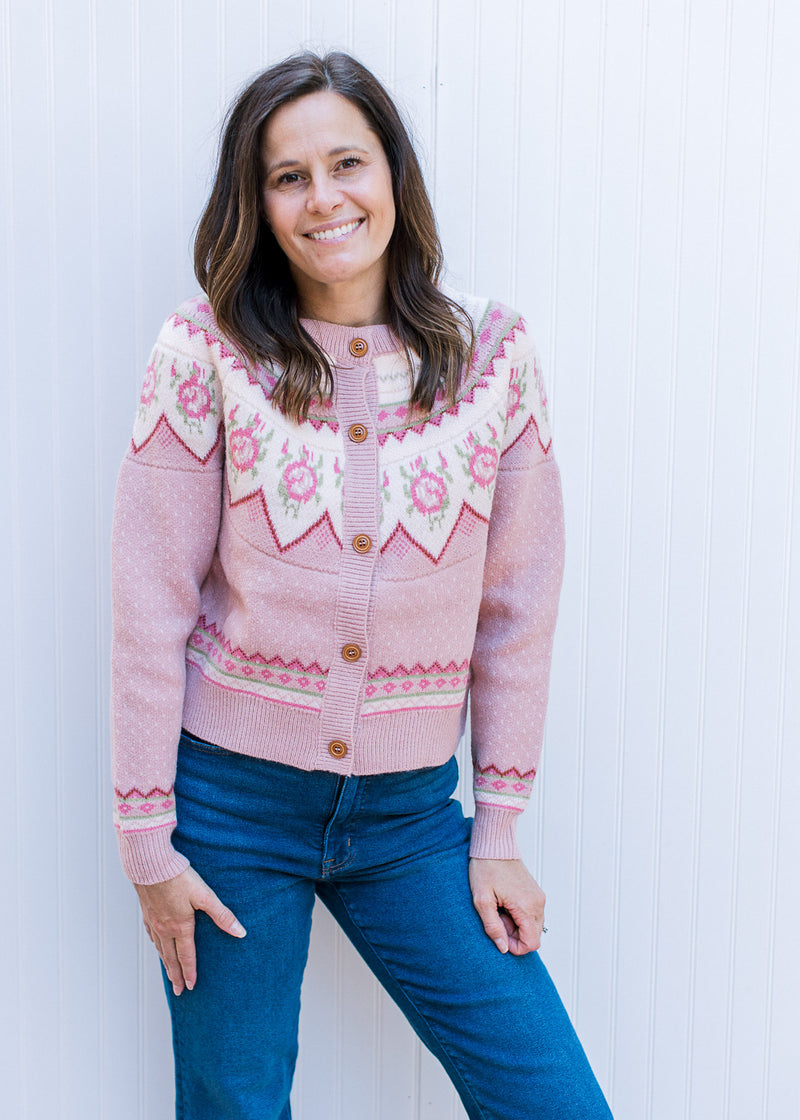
(190, 985)
(238, 930)
(176, 989)
(501, 944)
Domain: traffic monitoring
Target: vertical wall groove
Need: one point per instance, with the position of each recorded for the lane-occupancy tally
(556, 215)
(748, 552)
(102, 797)
(589, 489)
(476, 136)
(222, 90)
(625, 575)
(19, 1041)
(57, 550)
(711, 443)
(434, 99)
(180, 210)
(517, 132)
(666, 597)
(781, 695)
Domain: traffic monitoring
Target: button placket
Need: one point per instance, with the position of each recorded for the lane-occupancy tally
(356, 406)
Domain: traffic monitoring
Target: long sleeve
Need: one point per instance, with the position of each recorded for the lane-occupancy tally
(522, 582)
(166, 522)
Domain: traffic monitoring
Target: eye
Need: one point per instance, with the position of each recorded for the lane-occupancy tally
(349, 162)
(288, 178)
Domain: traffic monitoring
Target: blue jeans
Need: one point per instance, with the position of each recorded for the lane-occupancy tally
(387, 854)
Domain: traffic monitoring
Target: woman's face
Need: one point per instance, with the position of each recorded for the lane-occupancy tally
(327, 195)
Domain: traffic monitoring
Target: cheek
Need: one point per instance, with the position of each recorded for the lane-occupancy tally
(390, 217)
(277, 218)
(389, 208)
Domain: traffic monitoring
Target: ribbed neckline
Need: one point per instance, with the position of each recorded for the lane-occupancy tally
(335, 340)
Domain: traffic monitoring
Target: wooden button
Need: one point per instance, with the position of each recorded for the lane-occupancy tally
(358, 347)
(351, 652)
(337, 748)
(357, 433)
(362, 543)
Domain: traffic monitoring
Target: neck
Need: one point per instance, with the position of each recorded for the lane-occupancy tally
(362, 304)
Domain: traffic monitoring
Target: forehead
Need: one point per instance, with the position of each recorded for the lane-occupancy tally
(314, 121)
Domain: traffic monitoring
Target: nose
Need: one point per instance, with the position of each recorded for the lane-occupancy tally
(323, 196)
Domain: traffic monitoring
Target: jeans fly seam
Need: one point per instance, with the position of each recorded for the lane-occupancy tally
(331, 867)
(327, 864)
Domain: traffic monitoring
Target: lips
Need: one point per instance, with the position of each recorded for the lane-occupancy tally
(336, 232)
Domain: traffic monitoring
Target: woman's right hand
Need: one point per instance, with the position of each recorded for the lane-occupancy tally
(168, 911)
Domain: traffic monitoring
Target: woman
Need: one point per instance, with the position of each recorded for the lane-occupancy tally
(339, 514)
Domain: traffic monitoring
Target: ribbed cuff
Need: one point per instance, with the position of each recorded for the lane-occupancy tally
(494, 834)
(149, 857)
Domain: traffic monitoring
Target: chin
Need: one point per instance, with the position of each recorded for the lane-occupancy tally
(339, 275)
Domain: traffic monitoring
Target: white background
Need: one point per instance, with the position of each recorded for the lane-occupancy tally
(627, 174)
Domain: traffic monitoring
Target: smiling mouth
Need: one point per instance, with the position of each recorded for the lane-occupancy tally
(337, 233)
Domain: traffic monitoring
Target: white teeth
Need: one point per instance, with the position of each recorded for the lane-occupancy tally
(332, 234)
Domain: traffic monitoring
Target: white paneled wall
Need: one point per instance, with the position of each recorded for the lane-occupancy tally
(627, 173)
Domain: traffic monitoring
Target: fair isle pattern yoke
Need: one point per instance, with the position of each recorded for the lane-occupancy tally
(280, 587)
(263, 448)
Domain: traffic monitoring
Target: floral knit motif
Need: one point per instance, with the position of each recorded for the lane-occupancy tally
(480, 460)
(350, 579)
(426, 489)
(181, 392)
(247, 442)
(301, 478)
(195, 399)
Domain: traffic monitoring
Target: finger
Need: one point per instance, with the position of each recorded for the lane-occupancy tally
(508, 922)
(173, 966)
(187, 959)
(527, 936)
(220, 914)
(492, 922)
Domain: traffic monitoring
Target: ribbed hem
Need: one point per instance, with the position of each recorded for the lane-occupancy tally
(494, 834)
(386, 743)
(149, 857)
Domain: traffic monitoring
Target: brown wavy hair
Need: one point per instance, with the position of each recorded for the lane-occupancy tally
(245, 273)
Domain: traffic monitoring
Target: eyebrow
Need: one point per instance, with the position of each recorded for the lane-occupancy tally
(333, 152)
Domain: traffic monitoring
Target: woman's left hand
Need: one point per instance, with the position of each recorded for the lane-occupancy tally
(510, 903)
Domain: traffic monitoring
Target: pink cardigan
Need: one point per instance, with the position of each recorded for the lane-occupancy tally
(327, 594)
